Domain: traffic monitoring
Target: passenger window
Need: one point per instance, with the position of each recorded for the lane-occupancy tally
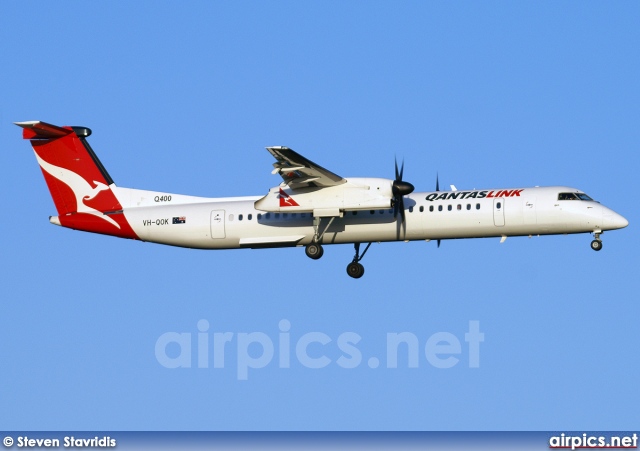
(439, 207)
(421, 208)
(372, 211)
(477, 206)
(449, 207)
(277, 215)
(468, 206)
(231, 217)
(284, 215)
(459, 207)
(303, 215)
(499, 205)
(239, 217)
(268, 215)
(249, 217)
(411, 209)
(259, 216)
(293, 215)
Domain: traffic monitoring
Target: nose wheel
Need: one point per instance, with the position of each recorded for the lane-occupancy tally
(596, 244)
(355, 269)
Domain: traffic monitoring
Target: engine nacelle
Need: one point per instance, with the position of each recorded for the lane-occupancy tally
(355, 194)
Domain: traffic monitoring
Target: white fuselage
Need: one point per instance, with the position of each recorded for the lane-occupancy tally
(229, 223)
(311, 207)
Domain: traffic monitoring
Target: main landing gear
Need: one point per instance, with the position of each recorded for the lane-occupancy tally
(355, 269)
(596, 244)
(314, 249)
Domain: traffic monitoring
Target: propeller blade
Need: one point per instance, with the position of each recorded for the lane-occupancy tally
(400, 188)
(438, 243)
(437, 182)
(400, 172)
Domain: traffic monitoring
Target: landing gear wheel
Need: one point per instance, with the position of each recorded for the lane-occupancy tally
(596, 245)
(314, 251)
(355, 270)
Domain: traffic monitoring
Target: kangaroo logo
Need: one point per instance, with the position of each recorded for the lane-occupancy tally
(286, 200)
(80, 187)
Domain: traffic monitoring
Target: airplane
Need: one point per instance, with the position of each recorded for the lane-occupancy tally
(312, 206)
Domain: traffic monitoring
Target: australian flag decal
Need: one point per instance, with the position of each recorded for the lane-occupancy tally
(179, 220)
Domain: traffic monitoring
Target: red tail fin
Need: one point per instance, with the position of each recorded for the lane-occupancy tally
(77, 180)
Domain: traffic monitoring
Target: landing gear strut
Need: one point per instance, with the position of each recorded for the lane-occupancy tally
(314, 249)
(355, 269)
(596, 244)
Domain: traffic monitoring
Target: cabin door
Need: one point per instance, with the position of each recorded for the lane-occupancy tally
(217, 224)
(498, 211)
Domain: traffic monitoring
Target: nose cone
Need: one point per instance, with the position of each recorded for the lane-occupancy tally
(612, 220)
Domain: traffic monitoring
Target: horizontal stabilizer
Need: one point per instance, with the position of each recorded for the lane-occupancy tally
(42, 130)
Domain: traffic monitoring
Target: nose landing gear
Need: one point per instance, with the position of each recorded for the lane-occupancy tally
(596, 244)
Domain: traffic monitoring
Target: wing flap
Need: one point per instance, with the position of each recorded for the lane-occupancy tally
(297, 171)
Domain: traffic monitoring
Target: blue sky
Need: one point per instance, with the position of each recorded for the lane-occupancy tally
(183, 97)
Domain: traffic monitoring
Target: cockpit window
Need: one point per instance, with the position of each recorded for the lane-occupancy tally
(573, 196)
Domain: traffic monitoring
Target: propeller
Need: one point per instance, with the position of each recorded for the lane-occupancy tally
(400, 188)
(438, 189)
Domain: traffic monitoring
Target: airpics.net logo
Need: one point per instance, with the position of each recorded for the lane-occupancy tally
(314, 350)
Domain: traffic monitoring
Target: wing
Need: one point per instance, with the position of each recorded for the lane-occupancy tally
(298, 172)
